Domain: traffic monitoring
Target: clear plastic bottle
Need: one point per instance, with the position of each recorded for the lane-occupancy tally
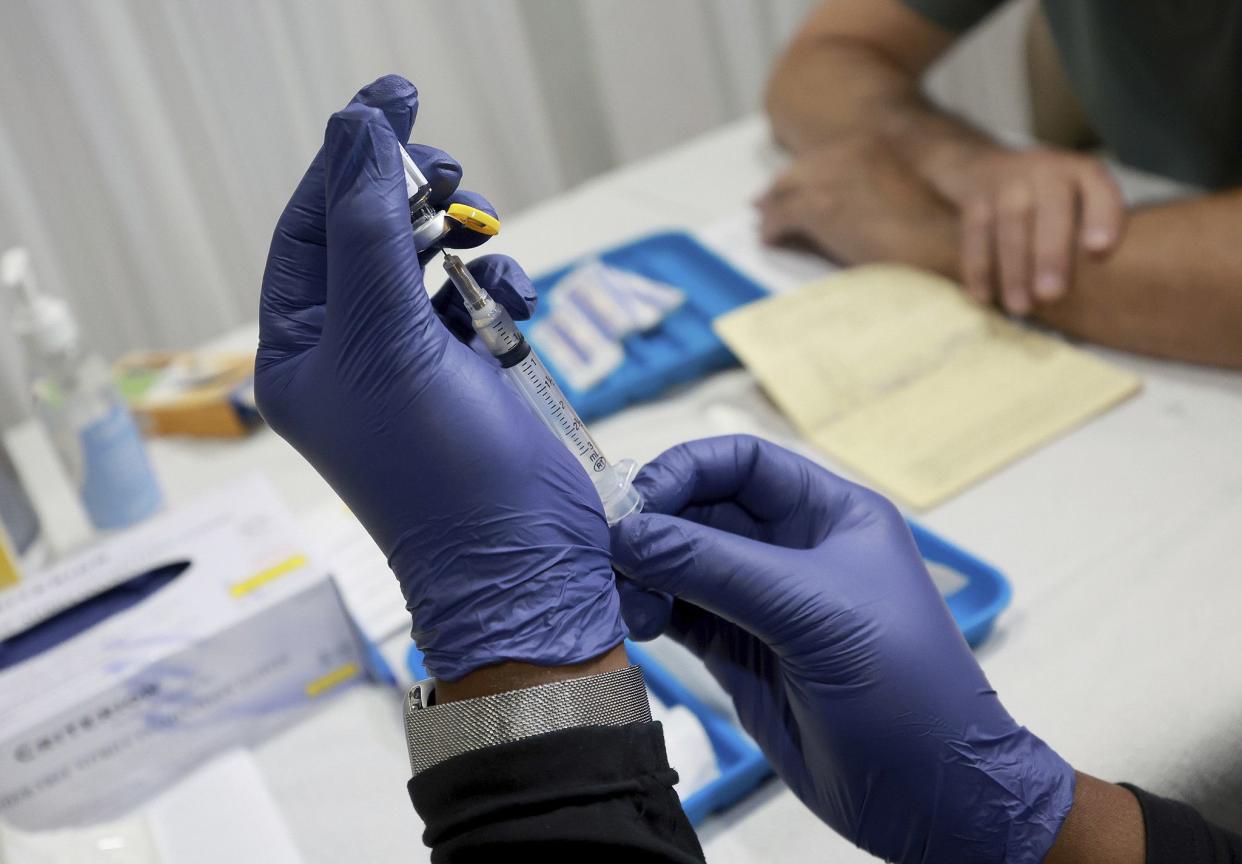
(89, 423)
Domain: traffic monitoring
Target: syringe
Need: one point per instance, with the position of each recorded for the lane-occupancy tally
(532, 380)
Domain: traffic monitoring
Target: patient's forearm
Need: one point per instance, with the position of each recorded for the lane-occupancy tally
(1173, 288)
(830, 86)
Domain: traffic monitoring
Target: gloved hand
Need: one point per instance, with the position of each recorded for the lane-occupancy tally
(806, 598)
(492, 528)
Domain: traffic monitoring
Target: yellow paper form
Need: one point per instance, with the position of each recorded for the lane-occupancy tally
(896, 374)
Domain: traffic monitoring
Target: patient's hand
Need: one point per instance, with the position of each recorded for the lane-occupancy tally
(1024, 216)
(856, 202)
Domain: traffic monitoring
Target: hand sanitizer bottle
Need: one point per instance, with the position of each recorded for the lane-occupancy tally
(74, 396)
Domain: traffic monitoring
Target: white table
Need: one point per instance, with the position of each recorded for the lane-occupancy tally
(1121, 648)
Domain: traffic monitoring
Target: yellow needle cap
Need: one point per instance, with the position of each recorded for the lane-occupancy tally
(474, 219)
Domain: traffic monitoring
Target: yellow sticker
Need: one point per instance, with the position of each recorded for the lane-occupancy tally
(261, 578)
(324, 683)
(474, 219)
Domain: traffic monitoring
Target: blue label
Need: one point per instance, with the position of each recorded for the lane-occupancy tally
(118, 486)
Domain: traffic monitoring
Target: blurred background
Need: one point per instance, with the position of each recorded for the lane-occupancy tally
(147, 147)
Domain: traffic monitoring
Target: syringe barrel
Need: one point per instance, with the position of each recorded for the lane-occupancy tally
(494, 325)
(544, 397)
(542, 394)
(491, 321)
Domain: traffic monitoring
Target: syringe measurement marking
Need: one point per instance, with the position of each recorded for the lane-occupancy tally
(500, 328)
(570, 429)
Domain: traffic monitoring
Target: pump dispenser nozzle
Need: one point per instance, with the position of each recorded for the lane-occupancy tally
(45, 321)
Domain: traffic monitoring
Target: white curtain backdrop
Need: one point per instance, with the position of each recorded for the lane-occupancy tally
(147, 146)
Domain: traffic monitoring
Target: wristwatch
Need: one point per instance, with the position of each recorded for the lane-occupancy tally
(434, 733)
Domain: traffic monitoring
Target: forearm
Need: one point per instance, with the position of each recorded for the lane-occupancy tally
(1111, 824)
(515, 676)
(869, 92)
(1105, 826)
(1173, 288)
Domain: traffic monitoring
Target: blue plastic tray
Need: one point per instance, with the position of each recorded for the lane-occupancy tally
(977, 603)
(684, 347)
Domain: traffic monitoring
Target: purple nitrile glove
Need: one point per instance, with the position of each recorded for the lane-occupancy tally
(493, 529)
(807, 600)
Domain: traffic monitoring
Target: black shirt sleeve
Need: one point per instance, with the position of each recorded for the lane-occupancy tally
(1177, 834)
(592, 793)
(956, 16)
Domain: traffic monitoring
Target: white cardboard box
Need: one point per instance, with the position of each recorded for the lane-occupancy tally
(249, 638)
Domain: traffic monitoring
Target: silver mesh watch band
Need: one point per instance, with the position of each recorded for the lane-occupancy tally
(438, 732)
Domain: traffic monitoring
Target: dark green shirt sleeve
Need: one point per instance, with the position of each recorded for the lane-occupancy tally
(954, 15)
